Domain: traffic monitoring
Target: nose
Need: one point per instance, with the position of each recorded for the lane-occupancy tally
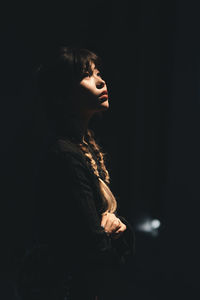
(100, 83)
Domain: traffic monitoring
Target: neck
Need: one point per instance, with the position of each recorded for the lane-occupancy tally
(75, 126)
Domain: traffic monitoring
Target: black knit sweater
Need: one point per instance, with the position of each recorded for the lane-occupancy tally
(69, 235)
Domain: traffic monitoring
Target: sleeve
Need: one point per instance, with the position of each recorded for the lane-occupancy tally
(125, 244)
(77, 211)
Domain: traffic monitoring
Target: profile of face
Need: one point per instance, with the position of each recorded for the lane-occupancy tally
(91, 94)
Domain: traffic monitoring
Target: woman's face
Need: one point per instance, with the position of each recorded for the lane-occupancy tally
(91, 95)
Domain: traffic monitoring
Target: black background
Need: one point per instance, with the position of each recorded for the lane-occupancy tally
(151, 55)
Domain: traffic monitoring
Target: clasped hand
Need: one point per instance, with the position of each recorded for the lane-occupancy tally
(113, 226)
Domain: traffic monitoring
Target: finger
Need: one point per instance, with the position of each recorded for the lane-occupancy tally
(109, 223)
(104, 221)
(112, 224)
(115, 225)
(121, 229)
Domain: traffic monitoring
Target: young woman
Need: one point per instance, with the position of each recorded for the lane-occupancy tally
(82, 242)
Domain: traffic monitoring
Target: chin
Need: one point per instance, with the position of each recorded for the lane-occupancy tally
(101, 107)
(105, 105)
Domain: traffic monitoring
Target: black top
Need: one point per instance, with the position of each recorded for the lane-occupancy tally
(68, 211)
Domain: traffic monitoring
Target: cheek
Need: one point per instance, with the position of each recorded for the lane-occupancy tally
(87, 92)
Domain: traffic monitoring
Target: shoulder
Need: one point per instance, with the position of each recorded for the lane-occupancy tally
(63, 148)
(62, 145)
(63, 153)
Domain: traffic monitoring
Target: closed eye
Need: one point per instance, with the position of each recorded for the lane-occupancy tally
(99, 74)
(85, 74)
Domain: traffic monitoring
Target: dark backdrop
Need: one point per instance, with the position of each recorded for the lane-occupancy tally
(151, 131)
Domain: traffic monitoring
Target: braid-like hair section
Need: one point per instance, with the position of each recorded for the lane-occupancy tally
(90, 159)
(107, 196)
(100, 155)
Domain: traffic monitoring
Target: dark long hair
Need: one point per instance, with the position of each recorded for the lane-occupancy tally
(59, 74)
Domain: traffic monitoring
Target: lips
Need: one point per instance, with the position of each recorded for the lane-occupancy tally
(104, 94)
